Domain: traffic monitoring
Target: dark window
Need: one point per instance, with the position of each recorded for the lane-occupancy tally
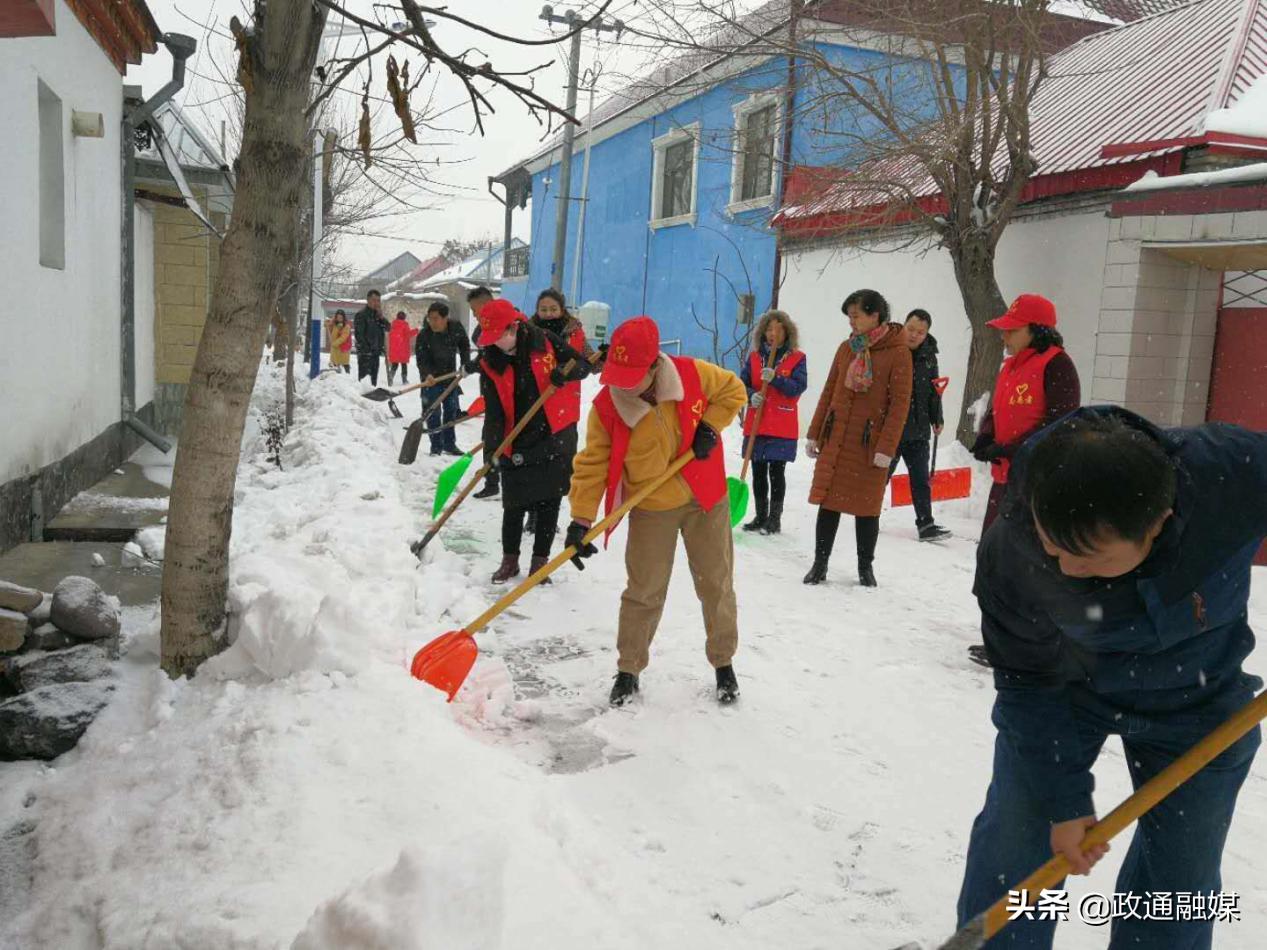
(747, 308)
(676, 179)
(757, 178)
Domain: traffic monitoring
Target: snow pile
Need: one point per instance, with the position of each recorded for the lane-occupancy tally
(1248, 116)
(303, 791)
(1151, 181)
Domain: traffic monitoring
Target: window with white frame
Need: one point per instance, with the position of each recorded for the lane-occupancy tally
(756, 141)
(673, 189)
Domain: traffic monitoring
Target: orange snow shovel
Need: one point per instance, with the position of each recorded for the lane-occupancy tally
(737, 488)
(985, 925)
(550, 390)
(446, 660)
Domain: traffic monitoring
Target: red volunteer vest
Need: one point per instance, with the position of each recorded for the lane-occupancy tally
(780, 418)
(1020, 401)
(706, 478)
(561, 409)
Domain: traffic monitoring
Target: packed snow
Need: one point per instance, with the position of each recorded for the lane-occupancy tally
(1151, 181)
(304, 791)
(1247, 116)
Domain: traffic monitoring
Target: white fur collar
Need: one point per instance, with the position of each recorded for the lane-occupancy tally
(668, 388)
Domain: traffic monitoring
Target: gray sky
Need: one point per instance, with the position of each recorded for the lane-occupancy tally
(465, 210)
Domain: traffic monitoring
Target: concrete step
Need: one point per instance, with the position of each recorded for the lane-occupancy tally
(114, 509)
(43, 565)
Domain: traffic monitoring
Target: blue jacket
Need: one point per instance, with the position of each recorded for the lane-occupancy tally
(1167, 638)
(769, 448)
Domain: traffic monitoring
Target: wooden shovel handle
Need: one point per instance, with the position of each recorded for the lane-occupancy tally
(1157, 788)
(457, 381)
(756, 423)
(484, 619)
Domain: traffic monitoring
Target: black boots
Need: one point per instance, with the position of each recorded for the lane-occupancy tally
(623, 689)
(818, 573)
(774, 521)
(758, 523)
(727, 685)
(492, 486)
(866, 576)
(536, 564)
(509, 568)
(933, 532)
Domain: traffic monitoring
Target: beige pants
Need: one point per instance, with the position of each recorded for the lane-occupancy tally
(649, 563)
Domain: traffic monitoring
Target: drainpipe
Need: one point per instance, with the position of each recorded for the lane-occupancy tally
(181, 47)
(785, 151)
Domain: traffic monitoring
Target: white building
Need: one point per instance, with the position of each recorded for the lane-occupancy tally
(1155, 285)
(67, 389)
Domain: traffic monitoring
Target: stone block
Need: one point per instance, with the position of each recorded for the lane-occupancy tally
(1212, 227)
(13, 627)
(182, 274)
(48, 721)
(79, 664)
(1108, 390)
(1162, 344)
(1117, 321)
(177, 253)
(46, 636)
(21, 599)
(1113, 344)
(176, 294)
(1173, 227)
(84, 610)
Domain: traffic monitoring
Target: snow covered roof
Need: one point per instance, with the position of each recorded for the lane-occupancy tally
(419, 274)
(1138, 91)
(769, 17)
(1244, 174)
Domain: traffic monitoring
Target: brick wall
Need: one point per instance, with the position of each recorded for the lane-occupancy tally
(186, 259)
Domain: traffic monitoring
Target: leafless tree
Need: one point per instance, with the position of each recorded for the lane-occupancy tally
(277, 53)
(931, 140)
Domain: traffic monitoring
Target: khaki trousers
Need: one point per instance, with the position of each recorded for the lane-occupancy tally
(649, 564)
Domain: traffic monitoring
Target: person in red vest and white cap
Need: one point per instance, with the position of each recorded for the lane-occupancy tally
(1037, 385)
(518, 362)
(652, 409)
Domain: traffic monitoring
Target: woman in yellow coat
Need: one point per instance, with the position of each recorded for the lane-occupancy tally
(340, 342)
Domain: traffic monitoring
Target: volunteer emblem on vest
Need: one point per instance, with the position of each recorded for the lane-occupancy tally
(620, 354)
(697, 409)
(1022, 396)
(548, 361)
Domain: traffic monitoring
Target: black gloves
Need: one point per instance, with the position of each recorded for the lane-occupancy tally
(557, 379)
(472, 366)
(987, 450)
(602, 354)
(705, 440)
(576, 539)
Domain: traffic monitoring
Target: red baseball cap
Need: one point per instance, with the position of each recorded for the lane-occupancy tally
(495, 319)
(1025, 310)
(634, 347)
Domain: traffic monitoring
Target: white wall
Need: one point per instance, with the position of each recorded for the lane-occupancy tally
(143, 295)
(59, 367)
(1061, 257)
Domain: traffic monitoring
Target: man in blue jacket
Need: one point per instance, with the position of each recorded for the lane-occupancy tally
(1113, 599)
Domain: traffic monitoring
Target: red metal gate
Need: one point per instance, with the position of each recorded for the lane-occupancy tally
(1238, 379)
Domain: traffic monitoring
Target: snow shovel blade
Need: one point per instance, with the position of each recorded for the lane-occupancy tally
(738, 499)
(446, 661)
(396, 413)
(449, 480)
(379, 395)
(413, 439)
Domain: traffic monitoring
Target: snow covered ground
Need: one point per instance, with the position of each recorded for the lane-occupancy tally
(303, 791)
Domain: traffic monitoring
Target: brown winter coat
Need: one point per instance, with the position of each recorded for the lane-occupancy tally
(851, 428)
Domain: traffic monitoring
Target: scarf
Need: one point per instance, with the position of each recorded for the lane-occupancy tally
(860, 375)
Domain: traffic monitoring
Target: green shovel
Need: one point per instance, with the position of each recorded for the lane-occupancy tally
(738, 487)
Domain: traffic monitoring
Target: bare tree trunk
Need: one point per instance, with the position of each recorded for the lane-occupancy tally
(281, 317)
(973, 257)
(277, 60)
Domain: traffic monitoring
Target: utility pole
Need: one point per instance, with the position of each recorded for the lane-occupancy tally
(575, 23)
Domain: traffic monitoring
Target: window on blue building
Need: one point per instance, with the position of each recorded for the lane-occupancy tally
(757, 156)
(675, 191)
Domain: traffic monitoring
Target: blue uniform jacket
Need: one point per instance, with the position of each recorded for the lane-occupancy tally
(1167, 639)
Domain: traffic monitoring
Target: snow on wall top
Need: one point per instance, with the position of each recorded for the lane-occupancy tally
(1151, 81)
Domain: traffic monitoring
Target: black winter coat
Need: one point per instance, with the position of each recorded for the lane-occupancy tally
(439, 353)
(545, 457)
(925, 409)
(1164, 642)
(370, 328)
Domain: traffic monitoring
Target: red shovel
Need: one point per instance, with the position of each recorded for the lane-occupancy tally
(446, 660)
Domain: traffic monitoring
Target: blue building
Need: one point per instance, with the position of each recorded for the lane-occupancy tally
(686, 169)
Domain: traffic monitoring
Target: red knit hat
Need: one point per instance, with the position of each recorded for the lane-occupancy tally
(1025, 310)
(495, 319)
(635, 346)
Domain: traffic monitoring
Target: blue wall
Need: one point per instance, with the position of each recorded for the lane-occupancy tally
(685, 275)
